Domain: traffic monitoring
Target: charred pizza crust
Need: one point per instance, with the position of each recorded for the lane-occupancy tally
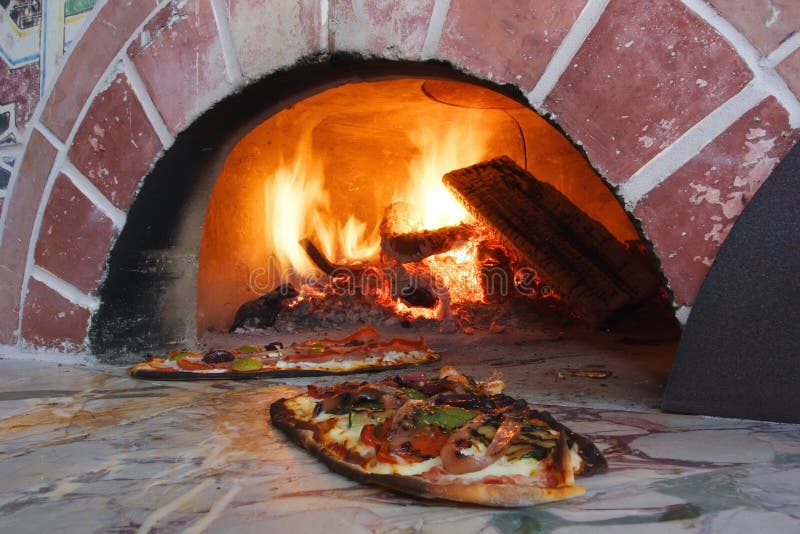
(495, 495)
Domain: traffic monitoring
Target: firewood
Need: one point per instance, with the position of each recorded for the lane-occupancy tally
(316, 256)
(415, 287)
(400, 243)
(263, 311)
(593, 272)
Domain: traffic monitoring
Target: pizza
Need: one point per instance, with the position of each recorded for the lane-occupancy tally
(446, 438)
(364, 350)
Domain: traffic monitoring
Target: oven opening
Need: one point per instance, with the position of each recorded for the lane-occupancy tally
(424, 205)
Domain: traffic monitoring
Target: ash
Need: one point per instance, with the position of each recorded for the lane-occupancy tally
(324, 310)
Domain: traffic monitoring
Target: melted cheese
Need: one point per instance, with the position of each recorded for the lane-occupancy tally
(347, 365)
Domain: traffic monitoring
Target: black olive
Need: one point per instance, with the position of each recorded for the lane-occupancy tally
(275, 345)
(354, 343)
(218, 356)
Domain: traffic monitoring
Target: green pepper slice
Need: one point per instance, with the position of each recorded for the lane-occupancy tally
(246, 364)
(448, 418)
(179, 355)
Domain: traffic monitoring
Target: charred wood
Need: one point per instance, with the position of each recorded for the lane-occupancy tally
(316, 256)
(590, 269)
(263, 311)
(400, 243)
(415, 286)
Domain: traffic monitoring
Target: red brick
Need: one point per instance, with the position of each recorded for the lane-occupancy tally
(22, 206)
(179, 57)
(275, 36)
(646, 73)
(394, 30)
(52, 322)
(508, 41)
(765, 23)
(75, 237)
(115, 144)
(689, 215)
(91, 56)
(789, 68)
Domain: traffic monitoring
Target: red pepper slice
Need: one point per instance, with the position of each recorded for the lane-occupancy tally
(368, 435)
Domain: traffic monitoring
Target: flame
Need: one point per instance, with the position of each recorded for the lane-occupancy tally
(298, 206)
(461, 144)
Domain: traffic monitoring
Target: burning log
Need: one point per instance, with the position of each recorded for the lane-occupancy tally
(317, 257)
(263, 311)
(594, 273)
(415, 287)
(400, 243)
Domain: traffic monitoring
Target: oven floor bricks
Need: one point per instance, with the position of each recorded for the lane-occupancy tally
(626, 81)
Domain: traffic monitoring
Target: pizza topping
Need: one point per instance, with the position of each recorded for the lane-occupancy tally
(179, 354)
(275, 345)
(247, 364)
(365, 334)
(448, 418)
(191, 365)
(248, 349)
(454, 459)
(218, 356)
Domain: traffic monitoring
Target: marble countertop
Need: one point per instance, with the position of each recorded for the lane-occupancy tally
(92, 450)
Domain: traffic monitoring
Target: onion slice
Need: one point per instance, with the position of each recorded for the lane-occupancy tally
(457, 464)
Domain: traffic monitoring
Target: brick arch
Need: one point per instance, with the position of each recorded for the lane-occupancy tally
(684, 112)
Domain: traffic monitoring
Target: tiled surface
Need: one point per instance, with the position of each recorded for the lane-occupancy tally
(115, 144)
(509, 42)
(75, 237)
(690, 214)
(646, 73)
(50, 321)
(274, 34)
(789, 69)
(394, 30)
(88, 451)
(765, 23)
(31, 181)
(19, 91)
(90, 58)
(179, 57)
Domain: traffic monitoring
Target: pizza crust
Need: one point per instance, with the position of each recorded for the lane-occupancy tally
(495, 495)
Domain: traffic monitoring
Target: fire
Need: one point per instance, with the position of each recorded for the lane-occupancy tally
(298, 206)
(460, 144)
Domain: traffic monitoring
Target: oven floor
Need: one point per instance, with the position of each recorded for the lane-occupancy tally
(90, 449)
